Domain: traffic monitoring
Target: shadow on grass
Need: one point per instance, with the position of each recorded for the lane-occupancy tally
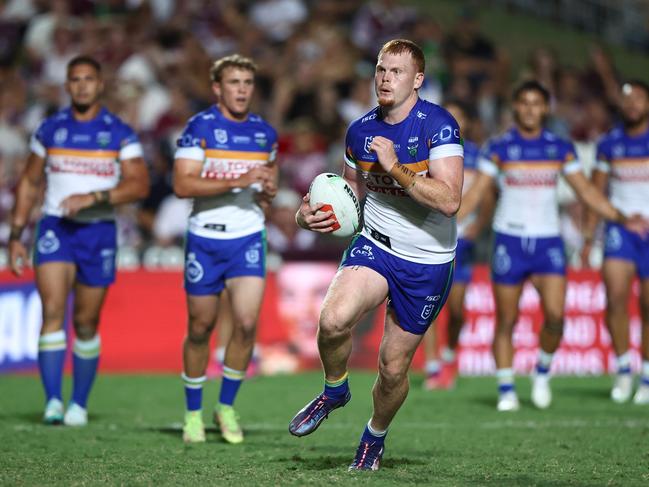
(327, 462)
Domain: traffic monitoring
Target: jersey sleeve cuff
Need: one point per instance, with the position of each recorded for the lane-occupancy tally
(37, 147)
(488, 167)
(194, 153)
(130, 151)
(602, 166)
(446, 150)
(350, 163)
(572, 167)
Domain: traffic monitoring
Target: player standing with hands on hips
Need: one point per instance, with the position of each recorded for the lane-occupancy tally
(406, 156)
(225, 161)
(90, 161)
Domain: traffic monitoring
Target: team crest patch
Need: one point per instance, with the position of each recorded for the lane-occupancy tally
(502, 262)
(412, 150)
(103, 138)
(514, 152)
(193, 269)
(427, 310)
(221, 136)
(60, 135)
(48, 243)
(252, 256)
(368, 141)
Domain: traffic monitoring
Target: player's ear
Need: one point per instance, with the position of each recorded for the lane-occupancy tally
(216, 89)
(419, 80)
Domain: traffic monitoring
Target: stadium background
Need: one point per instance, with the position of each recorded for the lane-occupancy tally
(316, 62)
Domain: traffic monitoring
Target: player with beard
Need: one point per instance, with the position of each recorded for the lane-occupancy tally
(526, 162)
(90, 161)
(623, 171)
(406, 157)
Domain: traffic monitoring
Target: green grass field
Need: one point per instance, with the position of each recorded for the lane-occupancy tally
(445, 438)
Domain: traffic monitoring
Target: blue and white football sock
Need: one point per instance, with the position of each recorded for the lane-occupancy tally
(505, 379)
(51, 358)
(337, 389)
(544, 362)
(623, 363)
(448, 355)
(644, 376)
(433, 367)
(85, 359)
(230, 384)
(372, 435)
(193, 392)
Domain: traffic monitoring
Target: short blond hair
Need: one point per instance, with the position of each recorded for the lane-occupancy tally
(232, 61)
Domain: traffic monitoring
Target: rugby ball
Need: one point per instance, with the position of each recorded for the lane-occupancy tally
(339, 197)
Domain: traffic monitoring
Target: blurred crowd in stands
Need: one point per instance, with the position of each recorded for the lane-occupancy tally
(316, 61)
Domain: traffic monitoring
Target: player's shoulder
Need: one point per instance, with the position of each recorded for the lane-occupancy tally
(260, 124)
(114, 122)
(500, 140)
(365, 120)
(550, 138)
(613, 136)
(59, 119)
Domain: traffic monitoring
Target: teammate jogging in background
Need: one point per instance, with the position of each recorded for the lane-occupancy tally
(90, 161)
(441, 374)
(527, 161)
(407, 155)
(225, 161)
(623, 169)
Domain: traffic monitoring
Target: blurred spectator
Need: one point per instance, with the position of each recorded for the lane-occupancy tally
(278, 18)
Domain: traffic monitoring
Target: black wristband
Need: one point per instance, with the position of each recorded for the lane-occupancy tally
(16, 232)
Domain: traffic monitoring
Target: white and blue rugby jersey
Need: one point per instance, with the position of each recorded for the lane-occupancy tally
(527, 171)
(81, 157)
(393, 220)
(626, 160)
(471, 153)
(227, 149)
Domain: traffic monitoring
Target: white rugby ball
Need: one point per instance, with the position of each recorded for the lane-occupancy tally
(332, 190)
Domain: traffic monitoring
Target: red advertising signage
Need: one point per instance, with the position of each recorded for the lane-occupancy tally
(144, 321)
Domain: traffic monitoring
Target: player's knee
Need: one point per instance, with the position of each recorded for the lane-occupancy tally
(246, 332)
(554, 325)
(332, 324)
(53, 314)
(505, 325)
(392, 373)
(199, 331)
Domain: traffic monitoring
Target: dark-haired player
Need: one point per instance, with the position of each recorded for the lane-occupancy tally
(623, 169)
(526, 163)
(89, 161)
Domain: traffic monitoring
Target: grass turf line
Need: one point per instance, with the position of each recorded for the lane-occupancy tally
(442, 438)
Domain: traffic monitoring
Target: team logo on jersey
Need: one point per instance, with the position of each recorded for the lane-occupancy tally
(613, 239)
(193, 269)
(552, 151)
(48, 243)
(108, 261)
(412, 150)
(421, 115)
(103, 138)
(514, 152)
(60, 135)
(261, 139)
(221, 136)
(368, 142)
(364, 251)
(618, 150)
(502, 262)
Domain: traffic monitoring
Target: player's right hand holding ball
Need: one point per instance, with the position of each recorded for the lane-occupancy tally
(313, 218)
